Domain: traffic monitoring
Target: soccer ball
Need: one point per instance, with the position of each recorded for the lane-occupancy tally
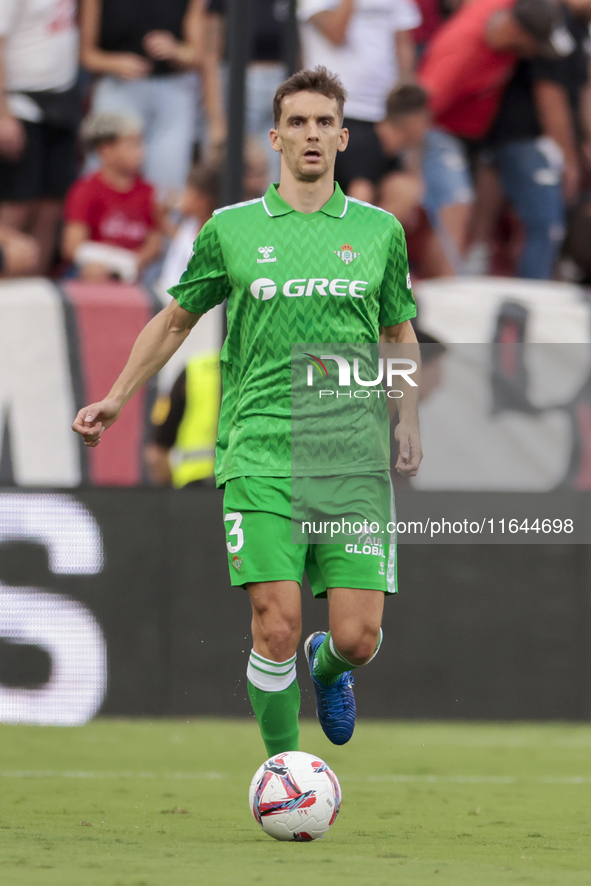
(295, 796)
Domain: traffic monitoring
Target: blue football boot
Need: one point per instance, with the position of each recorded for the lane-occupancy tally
(335, 703)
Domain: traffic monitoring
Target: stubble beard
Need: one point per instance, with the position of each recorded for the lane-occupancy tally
(312, 175)
(309, 177)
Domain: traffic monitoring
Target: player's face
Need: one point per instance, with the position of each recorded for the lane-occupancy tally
(309, 135)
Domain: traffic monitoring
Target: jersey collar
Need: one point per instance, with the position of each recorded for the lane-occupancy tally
(275, 205)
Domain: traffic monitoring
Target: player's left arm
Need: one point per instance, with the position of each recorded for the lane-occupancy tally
(397, 308)
(407, 430)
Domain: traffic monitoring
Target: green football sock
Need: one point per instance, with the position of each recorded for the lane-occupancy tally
(275, 704)
(329, 664)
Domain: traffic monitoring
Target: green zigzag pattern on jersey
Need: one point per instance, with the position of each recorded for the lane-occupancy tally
(330, 432)
(203, 285)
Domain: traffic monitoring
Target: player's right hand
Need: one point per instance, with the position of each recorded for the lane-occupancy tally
(92, 420)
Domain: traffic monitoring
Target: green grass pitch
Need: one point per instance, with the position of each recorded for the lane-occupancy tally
(164, 803)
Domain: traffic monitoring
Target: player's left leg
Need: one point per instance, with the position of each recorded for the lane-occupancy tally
(354, 638)
(355, 573)
(355, 618)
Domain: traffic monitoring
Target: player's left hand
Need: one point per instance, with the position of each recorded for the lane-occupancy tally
(411, 452)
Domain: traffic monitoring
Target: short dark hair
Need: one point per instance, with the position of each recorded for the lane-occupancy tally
(319, 80)
(206, 180)
(405, 99)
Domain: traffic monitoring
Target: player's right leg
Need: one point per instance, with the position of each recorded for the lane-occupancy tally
(355, 575)
(272, 677)
(263, 559)
(354, 639)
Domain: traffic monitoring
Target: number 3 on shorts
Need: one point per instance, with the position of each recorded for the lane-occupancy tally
(235, 530)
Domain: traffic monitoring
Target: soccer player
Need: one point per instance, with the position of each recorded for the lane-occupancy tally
(302, 264)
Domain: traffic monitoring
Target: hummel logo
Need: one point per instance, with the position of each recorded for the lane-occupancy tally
(346, 254)
(266, 251)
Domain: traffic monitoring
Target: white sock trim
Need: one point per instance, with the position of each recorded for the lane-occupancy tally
(271, 676)
(380, 638)
(338, 655)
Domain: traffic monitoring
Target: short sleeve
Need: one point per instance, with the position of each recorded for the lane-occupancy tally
(307, 8)
(406, 15)
(205, 283)
(397, 303)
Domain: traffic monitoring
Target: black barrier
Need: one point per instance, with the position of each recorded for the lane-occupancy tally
(476, 631)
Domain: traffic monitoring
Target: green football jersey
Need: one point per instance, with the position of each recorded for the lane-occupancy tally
(289, 277)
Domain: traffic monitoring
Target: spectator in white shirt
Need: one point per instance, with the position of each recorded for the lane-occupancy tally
(39, 117)
(368, 44)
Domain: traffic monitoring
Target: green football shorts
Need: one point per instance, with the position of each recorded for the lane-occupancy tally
(262, 537)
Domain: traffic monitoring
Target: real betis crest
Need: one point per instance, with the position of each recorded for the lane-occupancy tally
(237, 562)
(346, 254)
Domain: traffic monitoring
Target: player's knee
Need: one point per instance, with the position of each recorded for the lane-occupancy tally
(360, 654)
(357, 646)
(281, 635)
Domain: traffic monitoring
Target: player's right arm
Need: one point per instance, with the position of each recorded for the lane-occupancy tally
(155, 345)
(204, 284)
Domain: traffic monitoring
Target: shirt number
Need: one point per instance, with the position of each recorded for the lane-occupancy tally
(235, 530)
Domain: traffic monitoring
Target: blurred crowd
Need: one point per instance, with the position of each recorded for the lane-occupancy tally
(470, 121)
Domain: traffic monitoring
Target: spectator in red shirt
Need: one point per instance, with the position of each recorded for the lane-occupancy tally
(112, 229)
(432, 19)
(465, 70)
(470, 60)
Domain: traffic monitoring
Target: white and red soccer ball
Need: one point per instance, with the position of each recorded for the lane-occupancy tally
(295, 796)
